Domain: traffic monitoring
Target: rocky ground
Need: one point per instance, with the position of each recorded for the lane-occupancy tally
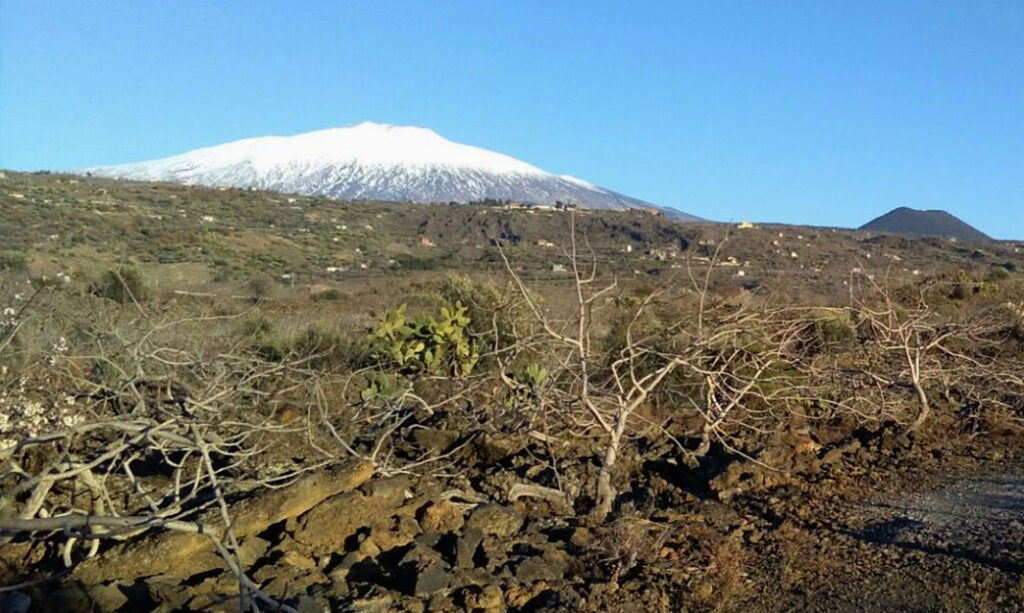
(949, 543)
(868, 522)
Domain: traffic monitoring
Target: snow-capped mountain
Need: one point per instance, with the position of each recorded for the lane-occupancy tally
(372, 161)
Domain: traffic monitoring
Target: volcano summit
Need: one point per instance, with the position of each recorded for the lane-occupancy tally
(371, 161)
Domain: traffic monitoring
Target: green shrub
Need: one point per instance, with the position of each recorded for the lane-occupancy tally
(256, 327)
(317, 340)
(260, 287)
(13, 261)
(327, 294)
(996, 274)
(272, 348)
(493, 312)
(652, 330)
(413, 262)
(440, 346)
(959, 292)
(319, 345)
(834, 330)
(122, 285)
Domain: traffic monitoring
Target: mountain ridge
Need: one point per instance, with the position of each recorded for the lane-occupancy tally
(371, 161)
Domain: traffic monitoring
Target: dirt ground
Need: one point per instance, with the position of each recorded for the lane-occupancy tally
(936, 540)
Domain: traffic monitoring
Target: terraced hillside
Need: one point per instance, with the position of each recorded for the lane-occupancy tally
(187, 237)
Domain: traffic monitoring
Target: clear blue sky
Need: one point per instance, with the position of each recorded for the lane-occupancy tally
(819, 112)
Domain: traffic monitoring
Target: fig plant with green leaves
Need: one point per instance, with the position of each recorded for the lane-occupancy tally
(441, 346)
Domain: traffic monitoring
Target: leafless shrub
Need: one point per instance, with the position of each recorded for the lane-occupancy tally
(727, 364)
(906, 347)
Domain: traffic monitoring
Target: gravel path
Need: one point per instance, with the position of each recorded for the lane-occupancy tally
(957, 546)
(979, 519)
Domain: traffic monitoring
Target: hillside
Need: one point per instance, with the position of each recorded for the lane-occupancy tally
(326, 405)
(188, 237)
(904, 220)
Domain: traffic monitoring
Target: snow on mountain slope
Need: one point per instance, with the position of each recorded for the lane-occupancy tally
(372, 161)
